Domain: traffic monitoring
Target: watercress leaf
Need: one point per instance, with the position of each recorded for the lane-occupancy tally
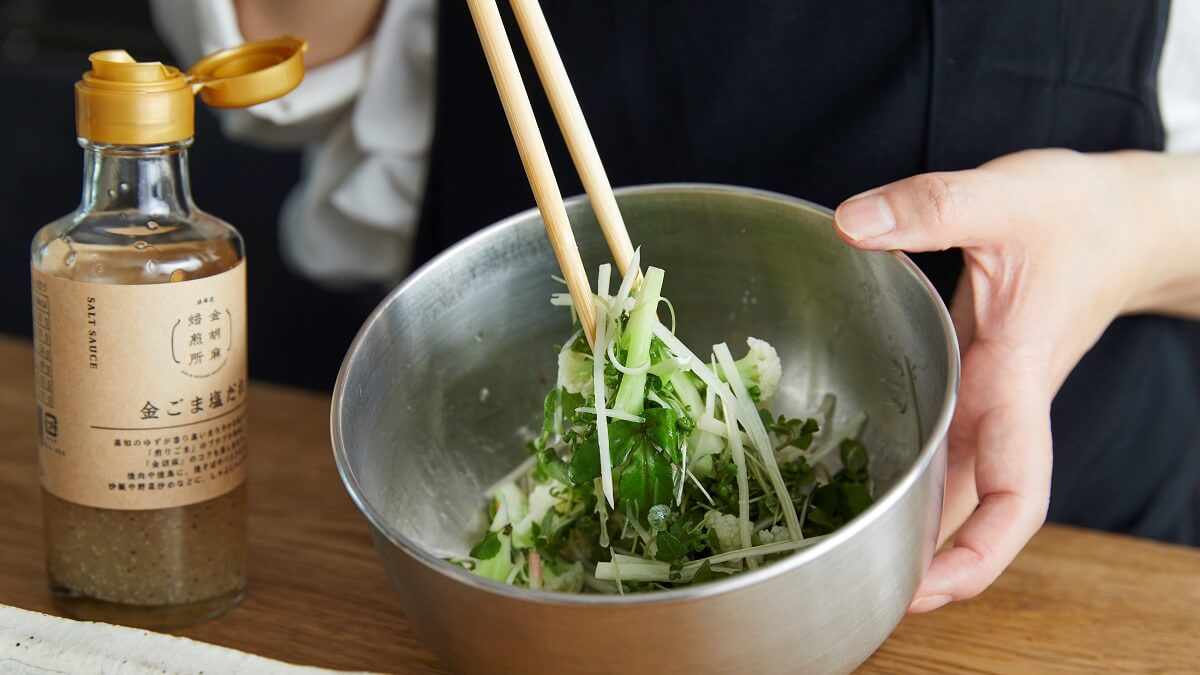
(822, 518)
(645, 480)
(691, 532)
(612, 379)
(658, 351)
(714, 542)
(669, 548)
(769, 502)
(547, 539)
(659, 516)
(723, 485)
(827, 498)
(767, 420)
(686, 425)
(855, 499)
(578, 419)
(662, 431)
(727, 470)
(655, 384)
(581, 344)
(704, 574)
(854, 458)
(804, 434)
(585, 461)
(548, 410)
(569, 403)
(622, 437)
(797, 474)
(487, 548)
(551, 466)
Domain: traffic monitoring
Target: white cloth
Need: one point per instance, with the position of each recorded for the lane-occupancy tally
(32, 643)
(367, 123)
(1179, 78)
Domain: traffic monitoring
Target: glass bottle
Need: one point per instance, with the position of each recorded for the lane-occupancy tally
(140, 357)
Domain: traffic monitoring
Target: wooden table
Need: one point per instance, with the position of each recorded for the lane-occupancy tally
(1073, 601)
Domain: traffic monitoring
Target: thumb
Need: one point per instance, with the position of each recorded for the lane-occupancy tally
(929, 212)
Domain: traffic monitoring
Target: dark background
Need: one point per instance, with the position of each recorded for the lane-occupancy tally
(299, 332)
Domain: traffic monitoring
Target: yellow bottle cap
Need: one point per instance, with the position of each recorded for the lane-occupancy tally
(124, 102)
(251, 73)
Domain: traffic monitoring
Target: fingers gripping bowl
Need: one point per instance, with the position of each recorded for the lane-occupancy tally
(442, 388)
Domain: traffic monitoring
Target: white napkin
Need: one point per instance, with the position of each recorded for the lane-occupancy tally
(36, 644)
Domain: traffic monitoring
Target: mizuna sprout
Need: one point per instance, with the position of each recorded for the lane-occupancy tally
(657, 468)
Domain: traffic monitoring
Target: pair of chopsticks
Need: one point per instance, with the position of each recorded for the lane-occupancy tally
(574, 129)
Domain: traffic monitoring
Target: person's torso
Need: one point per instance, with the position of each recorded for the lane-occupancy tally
(823, 100)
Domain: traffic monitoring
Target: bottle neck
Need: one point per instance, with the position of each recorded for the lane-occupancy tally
(151, 179)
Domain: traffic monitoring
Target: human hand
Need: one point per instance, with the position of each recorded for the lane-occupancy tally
(1052, 254)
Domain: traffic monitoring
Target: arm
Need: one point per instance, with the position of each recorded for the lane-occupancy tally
(1055, 244)
(1165, 204)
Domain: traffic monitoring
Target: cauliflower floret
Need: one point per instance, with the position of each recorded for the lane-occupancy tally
(575, 372)
(761, 367)
(543, 498)
(725, 527)
(774, 535)
(510, 506)
(700, 454)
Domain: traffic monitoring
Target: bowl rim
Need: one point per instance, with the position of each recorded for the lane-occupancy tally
(734, 582)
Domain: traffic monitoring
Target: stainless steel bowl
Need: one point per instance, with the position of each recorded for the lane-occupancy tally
(443, 385)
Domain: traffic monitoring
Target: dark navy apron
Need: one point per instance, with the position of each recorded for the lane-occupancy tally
(825, 99)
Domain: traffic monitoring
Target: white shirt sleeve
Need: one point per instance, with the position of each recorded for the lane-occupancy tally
(1179, 78)
(366, 124)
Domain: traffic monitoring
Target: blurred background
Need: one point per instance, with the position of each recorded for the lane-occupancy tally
(299, 332)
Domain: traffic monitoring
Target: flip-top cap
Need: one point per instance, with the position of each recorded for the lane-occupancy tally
(126, 102)
(249, 74)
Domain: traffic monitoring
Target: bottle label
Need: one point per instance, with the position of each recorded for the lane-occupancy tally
(141, 390)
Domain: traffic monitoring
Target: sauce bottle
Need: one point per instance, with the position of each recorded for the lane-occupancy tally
(140, 351)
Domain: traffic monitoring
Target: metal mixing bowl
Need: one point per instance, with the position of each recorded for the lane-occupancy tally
(443, 387)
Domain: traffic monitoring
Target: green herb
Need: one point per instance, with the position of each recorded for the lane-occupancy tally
(854, 460)
(487, 548)
(670, 549)
(797, 433)
(704, 574)
(677, 508)
(645, 480)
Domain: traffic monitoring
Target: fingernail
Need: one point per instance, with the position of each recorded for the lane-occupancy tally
(865, 217)
(928, 603)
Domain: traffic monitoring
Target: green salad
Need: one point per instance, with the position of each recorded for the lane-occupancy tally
(655, 468)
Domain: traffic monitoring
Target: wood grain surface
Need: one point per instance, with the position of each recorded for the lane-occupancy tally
(1074, 601)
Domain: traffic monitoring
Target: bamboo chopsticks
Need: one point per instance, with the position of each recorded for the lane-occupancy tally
(521, 120)
(574, 128)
